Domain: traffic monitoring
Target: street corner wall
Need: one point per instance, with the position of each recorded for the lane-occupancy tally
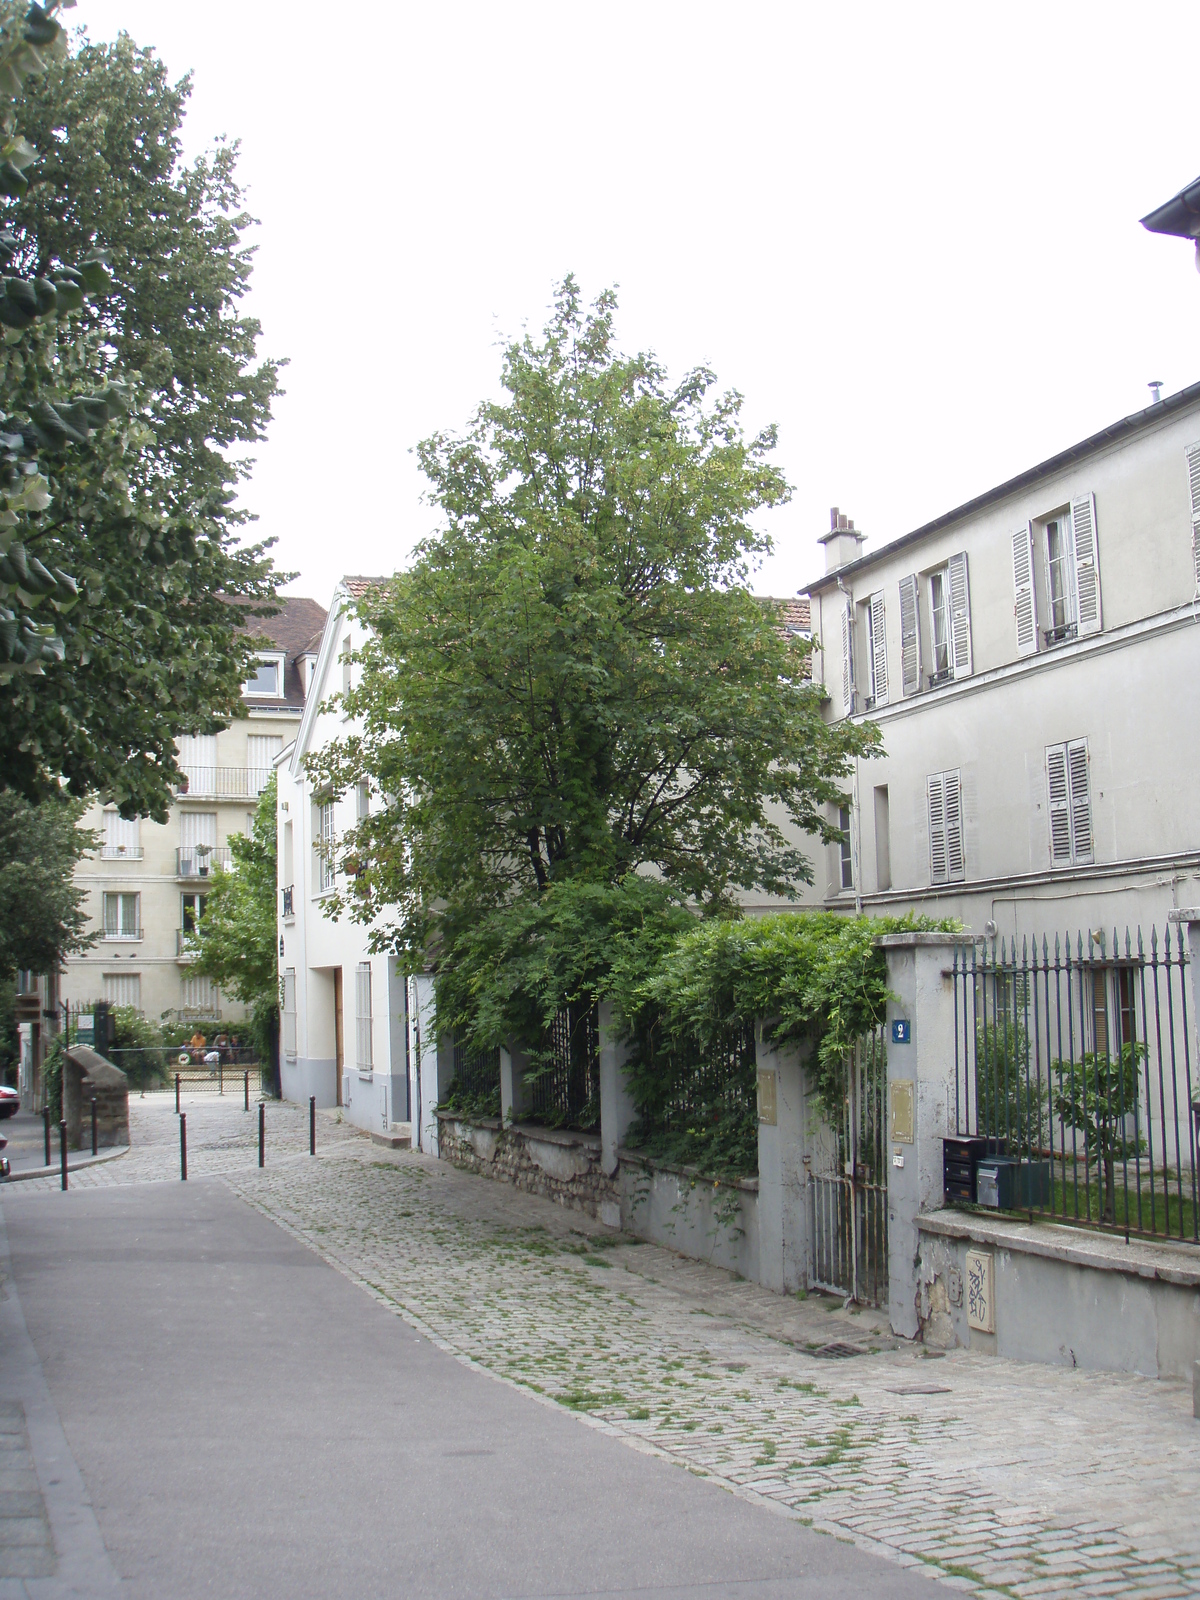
(671, 1207)
(556, 1164)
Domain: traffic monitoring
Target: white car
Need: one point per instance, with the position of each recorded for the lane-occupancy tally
(10, 1101)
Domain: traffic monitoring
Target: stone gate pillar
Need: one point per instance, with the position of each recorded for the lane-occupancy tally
(617, 1110)
(782, 1194)
(920, 1111)
(1189, 921)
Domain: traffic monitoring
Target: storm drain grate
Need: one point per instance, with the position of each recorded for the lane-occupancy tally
(837, 1352)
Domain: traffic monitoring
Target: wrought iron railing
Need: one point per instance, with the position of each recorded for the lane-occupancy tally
(121, 852)
(288, 901)
(476, 1077)
(847, 1183)
(225, 783)
(198, 861)
(1073, 1061)
(564, 1087)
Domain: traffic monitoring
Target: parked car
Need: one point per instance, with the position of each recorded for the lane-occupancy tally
(10, 1101)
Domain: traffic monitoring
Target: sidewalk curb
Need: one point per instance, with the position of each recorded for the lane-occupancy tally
(55, 1168)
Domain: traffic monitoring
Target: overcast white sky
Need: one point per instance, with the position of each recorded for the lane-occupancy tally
(909, 235)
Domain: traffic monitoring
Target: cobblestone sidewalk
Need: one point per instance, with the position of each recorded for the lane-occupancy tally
(997, 1477)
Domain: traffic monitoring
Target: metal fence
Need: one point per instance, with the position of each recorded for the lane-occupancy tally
(719, 1078)
(564, 1085)
(847, 1186)
(1074, 1062)
(477, 1076)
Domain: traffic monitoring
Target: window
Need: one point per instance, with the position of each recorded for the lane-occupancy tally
(261, 750)
(848, 659)
(362, 1015)
(845, 849)
(947, 862)
(123, 989)
(191, 911)
(347, 652)
(326, 846)
(1056, 577)
(939, 611)
(289, 854)
(197, 842)
(267, 682)
(122, 838)
(121, 916)
(877, 650)
(362, 799)
(199, 997)
(1070, 803)
(198, 760)
(1192, 458)
(883, 839)
(289, 1013)
(937, 649)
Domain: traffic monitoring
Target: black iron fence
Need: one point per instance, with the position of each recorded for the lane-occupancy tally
(476, 1083)
(716, 1080)
(847, 1184)
(564, 1080)
(1073, 1062)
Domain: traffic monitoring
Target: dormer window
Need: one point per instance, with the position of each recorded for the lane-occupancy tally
(267, 682)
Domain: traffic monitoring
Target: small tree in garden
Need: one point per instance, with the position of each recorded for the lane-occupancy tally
(1098, 1096)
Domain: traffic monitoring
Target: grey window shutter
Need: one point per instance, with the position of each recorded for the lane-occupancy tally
(910, 635)
(952, 800)
(1081, 810)
(1060, 805)
(937, 828)
(879, 681)
(847, 660)
(960, 615)
(1087, 563)
(1024, 601)
(1193, 468)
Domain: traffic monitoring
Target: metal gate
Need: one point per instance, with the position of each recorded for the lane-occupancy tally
(847, 1201)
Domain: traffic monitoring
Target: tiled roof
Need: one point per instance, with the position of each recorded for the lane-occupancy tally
(296, 630)
(796, 618)
(357, 586)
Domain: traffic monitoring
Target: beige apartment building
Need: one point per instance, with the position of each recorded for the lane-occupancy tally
(147, 882)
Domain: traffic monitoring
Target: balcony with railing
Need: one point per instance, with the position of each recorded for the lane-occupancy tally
(289, 901)
(122, 935)
(184, 948)
(224, 783)
(199, 860)
(121, 852)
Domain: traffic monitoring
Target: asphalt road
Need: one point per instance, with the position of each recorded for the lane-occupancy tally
(234, 1418)
(26, 1135)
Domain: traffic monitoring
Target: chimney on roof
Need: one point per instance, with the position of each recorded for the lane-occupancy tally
(842, 543)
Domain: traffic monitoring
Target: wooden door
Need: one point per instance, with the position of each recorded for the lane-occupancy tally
(337, 1028)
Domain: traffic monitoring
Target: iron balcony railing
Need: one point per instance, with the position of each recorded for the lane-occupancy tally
(288, 901)
(224, 783)
(130, 934)
(198, 861)
(183, 943)
(121, 852)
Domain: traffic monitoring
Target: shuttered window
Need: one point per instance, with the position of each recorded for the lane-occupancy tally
(848, 660)
(122, 838)
(960, 616)
(877, 649)
(326, 847)
(910, 635)
(1192, 458)
(947, 863)
(362, 1015)
(1024, 598)
(1070, 803)
(289, 1013)
(199, 998)
(123, 989)
(1087, 564)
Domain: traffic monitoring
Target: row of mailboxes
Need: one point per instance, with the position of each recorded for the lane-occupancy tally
(977, 1171)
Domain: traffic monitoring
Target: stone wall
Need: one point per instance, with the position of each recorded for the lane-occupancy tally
(87, 1075)
(675, 1207)
(558, 1165)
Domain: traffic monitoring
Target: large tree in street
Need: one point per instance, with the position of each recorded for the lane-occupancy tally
(42, 914)
(123, 575)
(572, 680)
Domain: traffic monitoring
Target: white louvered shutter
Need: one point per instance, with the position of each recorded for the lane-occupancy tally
(1081, 810)
(937, 828)
(1087, 563)
(1192, 456)
(960, 616)
(879, 683)
(910, 635)
(1060, 806)
(1024, 600)
(847, 661)
(952, 801)
(362, 1015)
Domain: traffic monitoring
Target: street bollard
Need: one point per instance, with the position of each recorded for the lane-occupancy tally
(220, 1076)
(312, 1124)
(95, 1129)
(62, 1141)
(246, 1076)
(183, 1148)
(262, 1133)
(176, 1094)
(46, 1120)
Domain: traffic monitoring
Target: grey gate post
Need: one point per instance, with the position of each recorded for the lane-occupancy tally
(514, 1096)
(782, 1196)
(920, 1108)
(1189, 921)
(617, 1110)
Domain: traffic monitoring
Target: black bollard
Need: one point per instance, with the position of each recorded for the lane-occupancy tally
(246, 1076)
(46, 1120)
(183, 1148)
(312, 1124)
(95, 1129)
(176, 1094)
(62, 1140)
(220, 1076)
(262, 1133)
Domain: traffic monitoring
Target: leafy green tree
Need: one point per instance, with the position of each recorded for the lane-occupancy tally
(1098, 1096)
(235, 938)
(131, 549)
(42, 916)
(572, 680)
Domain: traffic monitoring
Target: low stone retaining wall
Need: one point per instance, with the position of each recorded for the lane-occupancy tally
(1061, 1295)
(675, 1207)
(552, 1162)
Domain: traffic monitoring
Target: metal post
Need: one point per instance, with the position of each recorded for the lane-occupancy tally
(95, 1129)
(183, 1148)
(312, 1124)
(262, 1133)
(246, 1076)
(220, 1076)
(62, 1141)
(176, 1094)
(46, 1120)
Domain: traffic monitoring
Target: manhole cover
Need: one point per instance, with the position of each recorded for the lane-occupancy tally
(922, 1388)
(838, 1352)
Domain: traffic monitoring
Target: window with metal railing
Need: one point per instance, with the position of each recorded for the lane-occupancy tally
(122, 916)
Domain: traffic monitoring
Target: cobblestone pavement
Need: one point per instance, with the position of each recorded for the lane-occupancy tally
(998, 1477)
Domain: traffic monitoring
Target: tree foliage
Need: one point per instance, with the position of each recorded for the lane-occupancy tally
(572, 680)
(235, 938)
(124, 575)
(42, 915)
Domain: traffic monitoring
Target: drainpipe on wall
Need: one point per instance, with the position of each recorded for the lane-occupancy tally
(855, 857)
